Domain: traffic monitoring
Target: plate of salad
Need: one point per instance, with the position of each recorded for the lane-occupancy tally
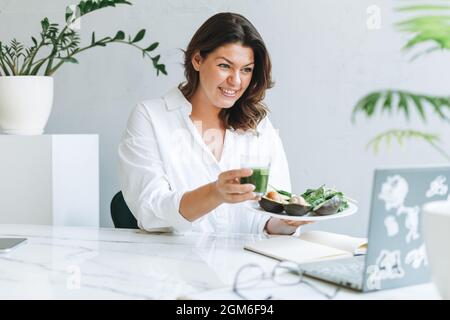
(312, 205)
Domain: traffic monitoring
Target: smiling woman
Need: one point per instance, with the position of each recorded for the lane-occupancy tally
(179, 156)
(221, 78)
(231, 48)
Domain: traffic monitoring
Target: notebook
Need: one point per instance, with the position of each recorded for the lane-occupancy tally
(309, 246)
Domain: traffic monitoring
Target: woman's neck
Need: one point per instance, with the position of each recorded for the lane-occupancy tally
(203, 110)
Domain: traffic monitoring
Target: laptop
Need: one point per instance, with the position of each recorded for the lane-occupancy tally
(6, 244)
(396, 255)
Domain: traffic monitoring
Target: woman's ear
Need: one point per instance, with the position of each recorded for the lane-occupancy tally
(196, 61)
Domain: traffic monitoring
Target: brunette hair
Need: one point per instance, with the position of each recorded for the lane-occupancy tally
(222, 29)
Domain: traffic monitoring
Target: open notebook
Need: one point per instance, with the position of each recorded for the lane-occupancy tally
(309, 246)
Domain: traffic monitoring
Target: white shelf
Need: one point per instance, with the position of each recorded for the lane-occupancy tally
(49, 179)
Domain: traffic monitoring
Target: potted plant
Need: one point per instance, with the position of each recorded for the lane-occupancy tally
(428, 25)
(26, 82)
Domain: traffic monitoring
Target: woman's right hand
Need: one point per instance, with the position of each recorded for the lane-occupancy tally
(228, 188)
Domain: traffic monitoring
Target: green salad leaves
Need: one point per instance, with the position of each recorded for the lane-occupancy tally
(316, 197)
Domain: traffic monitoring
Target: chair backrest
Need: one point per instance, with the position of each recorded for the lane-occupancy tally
(121, 214)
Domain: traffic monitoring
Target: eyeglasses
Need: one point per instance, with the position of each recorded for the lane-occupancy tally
(250, 275)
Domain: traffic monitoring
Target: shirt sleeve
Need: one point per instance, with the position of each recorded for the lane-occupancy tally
(144, 182)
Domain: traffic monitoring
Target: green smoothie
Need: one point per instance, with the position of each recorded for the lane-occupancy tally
(259, 178)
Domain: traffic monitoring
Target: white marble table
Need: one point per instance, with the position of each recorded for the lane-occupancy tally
(92, 263)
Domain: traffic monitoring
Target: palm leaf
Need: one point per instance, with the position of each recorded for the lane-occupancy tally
(387, 104)
(420, 7)
(401, 136)
(430, 24)
(404, 102)
(427, 24)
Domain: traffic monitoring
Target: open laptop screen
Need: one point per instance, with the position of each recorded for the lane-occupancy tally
(396, 255)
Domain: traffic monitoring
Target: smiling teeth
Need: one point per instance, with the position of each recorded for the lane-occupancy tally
(229, 92)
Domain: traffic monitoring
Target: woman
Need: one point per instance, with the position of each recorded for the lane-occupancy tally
(180, 155)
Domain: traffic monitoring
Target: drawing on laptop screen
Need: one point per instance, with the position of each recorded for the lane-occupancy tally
(397, 254)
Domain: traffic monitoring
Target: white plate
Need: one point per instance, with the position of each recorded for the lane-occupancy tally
(309, 216)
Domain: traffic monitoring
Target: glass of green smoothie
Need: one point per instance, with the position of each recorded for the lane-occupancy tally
(260, 176)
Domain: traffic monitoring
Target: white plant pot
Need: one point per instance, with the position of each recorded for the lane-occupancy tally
(436, 228)
(25, 104)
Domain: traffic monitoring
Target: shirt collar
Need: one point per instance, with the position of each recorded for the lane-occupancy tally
(176, 100)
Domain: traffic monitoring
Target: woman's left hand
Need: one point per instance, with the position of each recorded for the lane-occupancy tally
(285, 227)
(295, 223)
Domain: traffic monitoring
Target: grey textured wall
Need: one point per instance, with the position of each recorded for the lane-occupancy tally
(324, 58)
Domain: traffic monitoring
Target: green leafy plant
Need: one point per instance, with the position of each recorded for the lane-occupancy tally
(429, 27)
(62, 45)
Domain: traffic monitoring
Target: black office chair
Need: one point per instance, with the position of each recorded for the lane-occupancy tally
(121, 214)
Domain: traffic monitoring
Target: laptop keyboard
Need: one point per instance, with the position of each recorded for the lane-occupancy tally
(345, 271)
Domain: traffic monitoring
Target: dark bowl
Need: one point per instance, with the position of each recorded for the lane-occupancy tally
(271, 205)
(328, 207)
(295, 209)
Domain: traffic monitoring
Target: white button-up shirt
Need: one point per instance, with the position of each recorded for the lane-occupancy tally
(162, 155)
